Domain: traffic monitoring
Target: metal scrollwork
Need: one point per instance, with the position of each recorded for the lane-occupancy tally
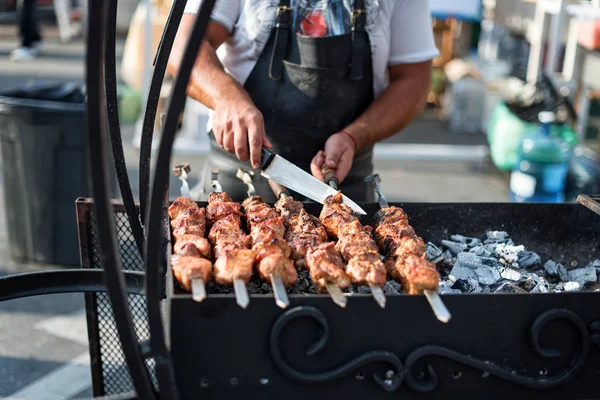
(336, 373)
(425, 381)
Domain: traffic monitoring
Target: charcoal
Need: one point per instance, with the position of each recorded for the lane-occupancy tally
(392, 287)
(528, 259)
(487, 275)
(559, 287)
(509, 253)
(469, 241)
(364, 290)
(528, 284)
(491, 262)
(480, 251)
(459, 272)
(469, 260)
(509, 288)
(454, 247)
(554, 269)
(432, 251)
(450, 291)
(542, 287)
(572, 286)
(583, 275)
(491, 248)
(595, 264)
(510, 274)
(497, 235)
(462, 285)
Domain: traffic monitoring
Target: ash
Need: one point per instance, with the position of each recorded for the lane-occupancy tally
(495, 264)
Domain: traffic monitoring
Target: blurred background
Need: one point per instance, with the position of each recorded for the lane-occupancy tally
(514, 102)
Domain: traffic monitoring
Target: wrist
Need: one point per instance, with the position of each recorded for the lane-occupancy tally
(232, 93)
(358, 133)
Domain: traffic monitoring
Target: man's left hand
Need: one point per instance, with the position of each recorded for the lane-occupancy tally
(338, 154)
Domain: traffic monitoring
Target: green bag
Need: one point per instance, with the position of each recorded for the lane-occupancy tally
(506, 132)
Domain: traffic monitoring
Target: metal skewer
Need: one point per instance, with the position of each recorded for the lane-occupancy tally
(334, 290)
(198, 284)
(435, 301)
(279, 292)
(239, 286)
(330, 177)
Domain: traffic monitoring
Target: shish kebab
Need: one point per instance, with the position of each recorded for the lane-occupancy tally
(233, 258)
(355, 242)
(308, 239)
(405, 253)
(191, 262)
(267, 229)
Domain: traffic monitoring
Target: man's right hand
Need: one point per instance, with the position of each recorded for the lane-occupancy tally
(239, 127)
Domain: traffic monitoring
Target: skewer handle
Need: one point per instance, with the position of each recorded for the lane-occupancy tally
(279, 190)
(330, 177)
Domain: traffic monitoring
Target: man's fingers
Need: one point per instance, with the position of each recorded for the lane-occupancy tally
(255, 139)
(316, 164)
(266, 142)
(228, 142)
(332, 157)
(240, 142)
(344, 165)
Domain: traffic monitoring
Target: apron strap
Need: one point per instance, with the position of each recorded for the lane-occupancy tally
(282, 33)
(358, 21)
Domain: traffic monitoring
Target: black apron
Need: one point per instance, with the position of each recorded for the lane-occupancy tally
(307, 89)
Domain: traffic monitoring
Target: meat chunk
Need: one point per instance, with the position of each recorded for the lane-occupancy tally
(180, 205)
(191, 217)
(326, 266)
(199, 242)
(187, 268)
(234, 263)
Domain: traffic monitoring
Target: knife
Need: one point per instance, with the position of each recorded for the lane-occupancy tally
(285, 173)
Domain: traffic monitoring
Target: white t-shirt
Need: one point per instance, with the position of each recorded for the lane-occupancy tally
(399, 30)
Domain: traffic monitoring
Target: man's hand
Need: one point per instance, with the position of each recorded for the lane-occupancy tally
(239, 127)
(338, 154)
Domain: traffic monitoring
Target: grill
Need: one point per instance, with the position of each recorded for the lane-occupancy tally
(495, 345)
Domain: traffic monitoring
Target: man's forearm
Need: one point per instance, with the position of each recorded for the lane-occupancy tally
(395, 108)
(209, 83)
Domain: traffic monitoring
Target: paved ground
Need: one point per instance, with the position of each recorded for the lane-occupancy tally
(43, 342)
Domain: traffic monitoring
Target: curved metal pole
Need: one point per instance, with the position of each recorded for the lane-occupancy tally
(112, 105)
(98, 166)
(158, 75)
(63, 281)
(156, 234)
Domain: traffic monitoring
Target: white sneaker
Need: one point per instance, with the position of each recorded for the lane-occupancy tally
(24, 53)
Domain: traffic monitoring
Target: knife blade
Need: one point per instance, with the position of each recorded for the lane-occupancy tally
(285, 173)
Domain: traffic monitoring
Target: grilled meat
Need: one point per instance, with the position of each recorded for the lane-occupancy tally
(193, 216)
(308, 239)
(180, 205)
(405, 252)
(199, 242)
(189, 267)
(192, 250)
(231, 245)
(355, 242)
(267, 230)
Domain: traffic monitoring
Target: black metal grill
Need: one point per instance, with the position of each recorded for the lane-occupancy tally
(109, 370)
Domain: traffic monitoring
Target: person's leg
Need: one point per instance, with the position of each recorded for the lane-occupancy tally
(62, 10)
(28, 24)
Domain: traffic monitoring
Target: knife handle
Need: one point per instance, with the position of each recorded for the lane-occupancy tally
(330, 177)
(266, 156)
(279, 190)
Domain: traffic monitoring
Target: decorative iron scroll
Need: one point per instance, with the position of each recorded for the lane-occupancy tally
(423, 381)
(390, 384)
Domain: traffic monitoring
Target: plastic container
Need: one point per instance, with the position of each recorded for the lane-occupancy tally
(540, 173)
(42, 139)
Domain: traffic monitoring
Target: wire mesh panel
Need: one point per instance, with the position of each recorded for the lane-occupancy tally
(109, 370)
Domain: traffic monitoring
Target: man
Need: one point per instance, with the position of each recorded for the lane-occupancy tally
(318, 81)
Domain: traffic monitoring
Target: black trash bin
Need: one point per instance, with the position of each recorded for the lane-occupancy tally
(42, 136)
